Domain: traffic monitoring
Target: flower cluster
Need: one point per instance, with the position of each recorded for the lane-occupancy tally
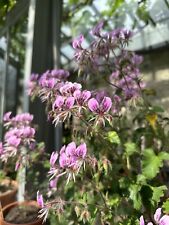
(119, 70)
(65, 98)
(71, 158)
(158, 219)
(107, 55)
(47, 83)
(19, 134)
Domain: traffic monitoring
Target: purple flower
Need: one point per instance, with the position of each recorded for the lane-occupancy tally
(81, 151)
(101, 108)
(71, 149)
(93, 105)
(34, 77)
(40, 200)
(96, 30)
(120, 33)
(58, 102)
(157, 215)
(137, 59)
(77, 42)
(106, 104)
(64, 160)
(1, 148)
(142, 220)
(53, 158)
(71, 156)
(69, 102)
(28, 132)
(47, 83)
(14, 141)
(60, 74)
(19, 134)
(6, 117)
(69, 88)
(82, 96)
(23, 117)
(17, 165)
(164, 220)
(53, 183)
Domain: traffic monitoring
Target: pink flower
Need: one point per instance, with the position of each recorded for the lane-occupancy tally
(53, 183)
(71, 149)
(1, 148)
(58, 102)
(81, 151)
(69, 88)
(96, 30)
(93, 105)
(101, 108)
(71, 156)
(6, 117)
(60, 74)
(53, 158)
(77, 42)
(28, 132)
(64, 160)
(40, 200)
(142, 220)
(17, 165)
(23, 117)
(164, 220)
(14, 141)
(82, 96)
(69, 102)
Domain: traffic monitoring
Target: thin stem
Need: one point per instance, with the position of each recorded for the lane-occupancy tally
(22, 177)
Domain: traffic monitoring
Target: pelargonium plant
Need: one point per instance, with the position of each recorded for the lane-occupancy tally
(19, 142)
(112, 171)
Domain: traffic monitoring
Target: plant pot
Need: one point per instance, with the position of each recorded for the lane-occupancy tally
(9, 196)
(7, 208)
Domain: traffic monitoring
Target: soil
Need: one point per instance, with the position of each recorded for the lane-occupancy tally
(22, 214)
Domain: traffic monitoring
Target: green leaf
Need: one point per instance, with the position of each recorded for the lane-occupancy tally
(164, 155)
(158, 192)
(134, 190)
(141, 179)
(157, 109)
(130, 148)
(152, 163)
(166, 206)
(113, 137)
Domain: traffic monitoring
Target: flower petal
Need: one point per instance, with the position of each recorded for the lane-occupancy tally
(106, 104)
(93, 105)
(164, 220)
(70, 149)
(81, 150)
(142, 220)
(157, 215)
(69, 102)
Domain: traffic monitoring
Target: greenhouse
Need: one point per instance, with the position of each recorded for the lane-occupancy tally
(84, 112)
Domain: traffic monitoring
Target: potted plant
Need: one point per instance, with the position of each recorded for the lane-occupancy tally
(8, 189)
(113, 169)
(18, 143)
